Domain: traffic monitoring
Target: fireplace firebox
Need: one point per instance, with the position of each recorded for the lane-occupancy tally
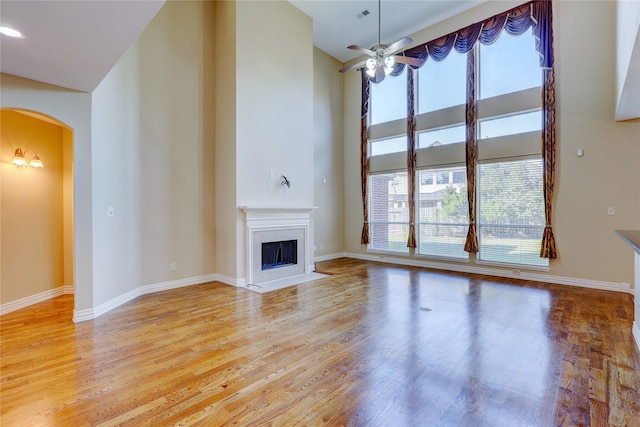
(279, 254)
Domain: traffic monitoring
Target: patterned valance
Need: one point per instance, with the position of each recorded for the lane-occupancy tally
(535, 14)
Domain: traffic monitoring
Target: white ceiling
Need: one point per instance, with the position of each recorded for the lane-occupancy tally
(336, 25)
(72, 44)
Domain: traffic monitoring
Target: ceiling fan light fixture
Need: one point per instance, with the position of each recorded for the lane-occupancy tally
(370, 64)
(381, 61)
(11, 32)
(389, 62)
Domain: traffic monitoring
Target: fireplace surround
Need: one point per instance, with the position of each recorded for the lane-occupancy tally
(265, 225)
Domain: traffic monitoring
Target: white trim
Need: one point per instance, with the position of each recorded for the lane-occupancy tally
(35, 299)
(636, 334)
(382, 252)
(514, 274)
(240, 282)
(165, 286)
(92, 313)
(330, 256)
(513, 266)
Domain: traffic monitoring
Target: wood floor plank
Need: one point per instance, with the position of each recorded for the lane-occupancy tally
(371, 345)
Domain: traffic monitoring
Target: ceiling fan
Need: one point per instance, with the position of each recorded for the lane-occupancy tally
(382, 57)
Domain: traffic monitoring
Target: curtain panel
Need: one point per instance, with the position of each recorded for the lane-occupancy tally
(411, 160)
(471, 149)
(536, 15)
(364, 156)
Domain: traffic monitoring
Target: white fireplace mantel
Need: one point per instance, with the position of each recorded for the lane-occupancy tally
(264, 221)
(253, 213)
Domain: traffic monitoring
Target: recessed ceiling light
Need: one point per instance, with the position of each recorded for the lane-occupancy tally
(10, 32)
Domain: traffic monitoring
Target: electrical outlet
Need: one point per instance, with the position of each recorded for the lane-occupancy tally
(611, 210)
(111, 212)
(172, 266)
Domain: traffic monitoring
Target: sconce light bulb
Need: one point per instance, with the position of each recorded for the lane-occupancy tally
(18, 158)
(36, 162)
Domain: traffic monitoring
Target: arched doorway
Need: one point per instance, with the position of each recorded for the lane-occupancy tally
(36, 209)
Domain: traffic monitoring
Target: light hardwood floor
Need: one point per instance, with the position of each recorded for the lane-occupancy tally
(371, 345)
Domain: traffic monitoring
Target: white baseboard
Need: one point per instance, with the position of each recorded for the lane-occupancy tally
(92, 313)
(174, 284)
(636, 333)
(241, 282)
(489, 271)
(330, 256)
(35, 299)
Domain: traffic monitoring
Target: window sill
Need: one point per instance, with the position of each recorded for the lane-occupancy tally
(443, 258)
(514, 266)
(389, 253)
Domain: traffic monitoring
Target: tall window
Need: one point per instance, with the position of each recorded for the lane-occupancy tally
(388, 212)
(389, 99)
(509, 182)
(388, 195)
(510, 204)
(442, 212)
(511, 212)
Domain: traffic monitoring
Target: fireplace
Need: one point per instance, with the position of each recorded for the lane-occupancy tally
(277, 243)
(279, 254)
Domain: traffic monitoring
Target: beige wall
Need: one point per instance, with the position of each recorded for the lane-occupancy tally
(607, 175)
(32, 215)
(271, 128)
(328, 167)
(152, 151)
(227, 246)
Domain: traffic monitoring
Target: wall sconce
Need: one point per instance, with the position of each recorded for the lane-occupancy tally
(20, 161)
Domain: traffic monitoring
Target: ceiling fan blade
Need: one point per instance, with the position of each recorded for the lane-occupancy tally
(361, 50)
(353, 66)
(409, 60)
(394, 47)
